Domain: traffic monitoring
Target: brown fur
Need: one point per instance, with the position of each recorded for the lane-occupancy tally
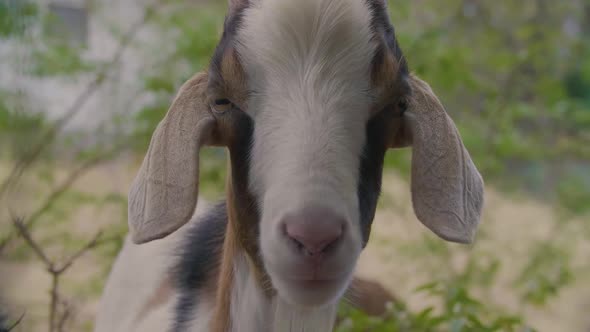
(370, 297)
(234, 77)
(385, 70)
(221, 314)
(234, 238)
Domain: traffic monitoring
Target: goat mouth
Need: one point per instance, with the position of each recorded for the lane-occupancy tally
(315, 276)
(314, 283)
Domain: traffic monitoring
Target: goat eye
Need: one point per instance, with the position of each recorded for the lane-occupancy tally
(222, 102)
(402, 105)
(222, 105)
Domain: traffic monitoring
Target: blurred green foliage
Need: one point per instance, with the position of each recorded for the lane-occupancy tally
(461, 312)
(194, 31)
(546, 273)
(515, 81)
(18, 123)
(511, 74)
(50, 55)
(15, 16)
(58, 59)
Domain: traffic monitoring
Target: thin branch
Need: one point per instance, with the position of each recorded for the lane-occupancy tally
(28, 159)
(54, 299)
(64, 317)
(110, 239)
(22, 229)
(55, 271)
(90, 245)
(15, 324)
(62, 188)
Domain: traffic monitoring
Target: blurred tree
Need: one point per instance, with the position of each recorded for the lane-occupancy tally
(516, 77)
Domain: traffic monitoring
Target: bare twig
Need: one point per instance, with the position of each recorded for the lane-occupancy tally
(54, 299)
(15, 324)
(22, 229)
(105, 240)
(29, 158)
(82, 251)
(62, 188)
(64, 317)
(55, 269)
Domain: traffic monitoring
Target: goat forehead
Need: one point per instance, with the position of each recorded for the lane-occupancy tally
(314, 50)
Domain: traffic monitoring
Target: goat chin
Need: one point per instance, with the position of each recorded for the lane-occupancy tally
(276, 313)
(310, 294)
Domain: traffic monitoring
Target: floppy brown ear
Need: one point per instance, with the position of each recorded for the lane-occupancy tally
(164, 193)
(447, 189)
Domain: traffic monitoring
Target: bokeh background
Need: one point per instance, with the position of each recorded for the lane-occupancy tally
(83, 83)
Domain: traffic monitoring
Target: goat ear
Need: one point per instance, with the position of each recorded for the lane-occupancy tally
(164, 193)
(447, 189)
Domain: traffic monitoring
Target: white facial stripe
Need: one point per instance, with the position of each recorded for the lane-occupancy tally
(317, 44)
(308, 67)
(308, 64)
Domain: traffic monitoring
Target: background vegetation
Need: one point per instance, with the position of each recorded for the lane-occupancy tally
(514, 75)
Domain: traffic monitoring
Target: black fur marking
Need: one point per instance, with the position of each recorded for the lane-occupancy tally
(381, 25)
(371, 166)
(199, 257)
(244, 202)
(200, 252)
(371, 171)
(233, 21)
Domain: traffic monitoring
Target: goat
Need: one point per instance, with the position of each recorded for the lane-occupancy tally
(306, 96)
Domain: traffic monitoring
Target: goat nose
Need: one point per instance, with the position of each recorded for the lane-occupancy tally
(314, 230)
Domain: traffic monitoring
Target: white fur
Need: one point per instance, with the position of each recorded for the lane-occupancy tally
(308, 65)
(202, 316)
(249, 307)
(296, 319)
(136, 274)
(251, 310)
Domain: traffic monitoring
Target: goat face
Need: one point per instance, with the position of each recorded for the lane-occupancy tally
(307, 95)
(308, 69)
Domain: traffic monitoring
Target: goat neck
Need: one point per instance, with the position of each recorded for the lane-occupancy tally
(240, 258)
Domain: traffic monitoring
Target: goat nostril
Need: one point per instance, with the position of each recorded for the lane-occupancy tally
(297, 243)
(313, 231)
